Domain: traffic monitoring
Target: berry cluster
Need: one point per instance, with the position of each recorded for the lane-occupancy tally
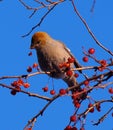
(76, 96)
(73, 128)
(17, 86)
(46, 89)
(91, 51)
(79, 95)
(91, 107)
(52, 92)
(103, 65)
(67, 66)
(34, 66)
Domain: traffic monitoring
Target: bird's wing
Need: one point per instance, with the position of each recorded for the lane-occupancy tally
(76, 63)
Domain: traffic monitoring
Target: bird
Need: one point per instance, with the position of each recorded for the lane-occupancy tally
(51, 54)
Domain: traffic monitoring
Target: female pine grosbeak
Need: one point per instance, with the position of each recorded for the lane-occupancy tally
(51, 53)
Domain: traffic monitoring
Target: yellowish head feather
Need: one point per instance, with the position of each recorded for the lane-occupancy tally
(40, 35)
(39, 38)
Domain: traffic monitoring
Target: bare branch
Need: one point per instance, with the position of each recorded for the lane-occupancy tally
(103, 117)
(42, 72)
(84, 114)
(26, 6)
(39, 22)
(41, 112)
(25, 92)
(49, 6)
(89, 30)
(93, 6)
(104, 85)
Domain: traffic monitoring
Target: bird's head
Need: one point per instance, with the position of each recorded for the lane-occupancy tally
(39, 39)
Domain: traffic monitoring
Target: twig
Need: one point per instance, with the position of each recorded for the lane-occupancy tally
(50, 7)
(27, 7)
(93, 6)
(41, 112)
(25, 92)
(103, 117)
(24, 75)
(39, 21)
(84, 114)
(89, 30)
(93, 78)
(104, 85)
(42, 72)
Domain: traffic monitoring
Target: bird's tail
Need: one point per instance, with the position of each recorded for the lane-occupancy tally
(71, 82)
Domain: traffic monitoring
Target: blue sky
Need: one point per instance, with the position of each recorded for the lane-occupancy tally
(62, 24)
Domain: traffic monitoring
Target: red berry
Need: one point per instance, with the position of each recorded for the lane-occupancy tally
(73, 118)
(35, 65)
(71, 59)
(67, 65)
(68, 128)
(112, 114)
(92, 109)
(77, 105)
(91, 51)
(52, 92)
(29, 69)
(18, 89)
(14, 84)
(45, 89)
(74, 95)
(30, 54)
(60, 65)
(29, 128)
(103, 62)
(62, 91)
(13, 92)
(85, 59)
(86, 82)
(74, 128)
(69, 73)
(101, 68)
(76, 75)
(82, 128)
(20, 82)
(111, 90)
(26, 85)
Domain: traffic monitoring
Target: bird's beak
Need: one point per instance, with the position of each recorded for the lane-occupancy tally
(32, 46)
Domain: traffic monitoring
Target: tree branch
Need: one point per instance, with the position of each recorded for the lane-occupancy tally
(41, 112)
(103, 117)
(89, 30)
(25, 92)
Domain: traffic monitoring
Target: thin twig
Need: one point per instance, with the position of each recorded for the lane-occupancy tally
(39, 22)
(89, 30)
(93, 78)
(42, 72)
(25, 92)
(84, 114)
(93, 6)
(104, 85)
(103, 117)
(41, 112)
(27, 7)
(24, 75)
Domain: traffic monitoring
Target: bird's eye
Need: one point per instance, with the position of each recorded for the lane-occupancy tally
(38, 42)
